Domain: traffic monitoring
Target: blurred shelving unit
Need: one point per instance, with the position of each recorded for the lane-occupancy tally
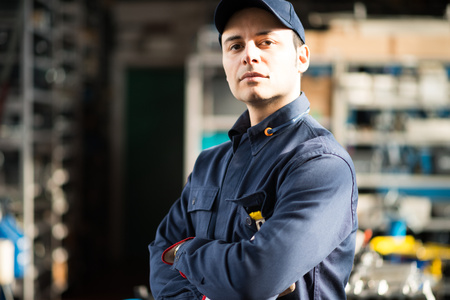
(391, 110)
(39, 136)
(394, 118)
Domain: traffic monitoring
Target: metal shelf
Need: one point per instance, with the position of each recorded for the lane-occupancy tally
(364, 137)
(32, 131)
(395, 102)
(382, 180)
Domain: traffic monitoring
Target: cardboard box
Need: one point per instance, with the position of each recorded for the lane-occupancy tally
(313, 40)
(318, 90)
(341, 45)
(424, 46)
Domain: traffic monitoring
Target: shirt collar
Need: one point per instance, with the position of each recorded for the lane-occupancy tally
(256, 133)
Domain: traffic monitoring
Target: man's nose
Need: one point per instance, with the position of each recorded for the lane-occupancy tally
(251, 54)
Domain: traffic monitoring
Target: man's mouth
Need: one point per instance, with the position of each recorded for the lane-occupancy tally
(252, 75)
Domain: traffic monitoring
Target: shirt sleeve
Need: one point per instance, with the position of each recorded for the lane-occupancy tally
(165, 281)
(313, 215)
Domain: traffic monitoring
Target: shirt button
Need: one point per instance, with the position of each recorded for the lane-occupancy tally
(248, 221)
(193, 201)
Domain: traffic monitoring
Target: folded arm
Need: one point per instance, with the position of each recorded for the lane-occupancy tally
(310, 219)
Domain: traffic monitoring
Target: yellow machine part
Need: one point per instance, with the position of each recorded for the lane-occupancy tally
(409, 246)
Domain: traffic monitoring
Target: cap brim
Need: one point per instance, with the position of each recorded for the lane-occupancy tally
(228, 8)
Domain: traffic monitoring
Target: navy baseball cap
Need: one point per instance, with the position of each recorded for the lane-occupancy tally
(281, 9)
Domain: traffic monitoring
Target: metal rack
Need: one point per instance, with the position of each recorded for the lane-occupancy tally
(385, 108)
(40, 135)
(392, 116)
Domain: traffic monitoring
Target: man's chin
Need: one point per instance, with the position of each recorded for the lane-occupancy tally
(258, 99)
(254, 96)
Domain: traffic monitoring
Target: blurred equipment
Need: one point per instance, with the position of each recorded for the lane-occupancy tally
(374, 276)
(10, 231)
(391, 261)
(7, 259)
(6, 262)
(410, 247)
(377, 278)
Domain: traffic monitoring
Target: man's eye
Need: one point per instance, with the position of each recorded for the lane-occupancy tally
(267, 43)
(235, 47)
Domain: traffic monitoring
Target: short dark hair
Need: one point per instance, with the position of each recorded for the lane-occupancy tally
(297, 40)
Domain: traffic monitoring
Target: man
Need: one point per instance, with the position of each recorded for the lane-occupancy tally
(272, 212)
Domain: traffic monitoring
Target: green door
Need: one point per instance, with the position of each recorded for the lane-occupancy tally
(154, 153)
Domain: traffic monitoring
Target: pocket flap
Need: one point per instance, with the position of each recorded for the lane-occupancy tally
(202, 198)
(252, 200)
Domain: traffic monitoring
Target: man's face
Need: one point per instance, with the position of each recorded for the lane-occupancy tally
(259, 57)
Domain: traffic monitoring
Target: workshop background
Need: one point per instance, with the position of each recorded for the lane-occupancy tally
(104, 105)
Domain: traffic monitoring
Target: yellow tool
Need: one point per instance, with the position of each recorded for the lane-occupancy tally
(259, 220)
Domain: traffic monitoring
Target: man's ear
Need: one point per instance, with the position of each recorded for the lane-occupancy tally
(303, 58)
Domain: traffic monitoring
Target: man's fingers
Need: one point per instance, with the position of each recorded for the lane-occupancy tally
(288, 290)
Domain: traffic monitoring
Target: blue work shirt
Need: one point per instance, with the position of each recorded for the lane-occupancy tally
(301, 180)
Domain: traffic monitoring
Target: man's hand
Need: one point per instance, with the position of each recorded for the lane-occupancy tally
(169, 256)
(287, 291)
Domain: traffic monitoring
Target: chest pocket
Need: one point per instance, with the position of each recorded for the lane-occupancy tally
(200, 205)
(245, 226)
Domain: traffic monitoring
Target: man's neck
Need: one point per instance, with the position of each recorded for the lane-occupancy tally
(258, 113)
